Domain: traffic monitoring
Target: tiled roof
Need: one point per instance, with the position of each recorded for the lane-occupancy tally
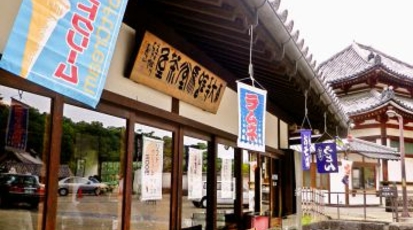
(372, 150)
(356, 103)
(369, 100)
(356, 59)
(364, 148)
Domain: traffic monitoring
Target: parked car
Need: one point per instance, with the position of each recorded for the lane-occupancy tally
(202, 202)
(81, 184)
(20, 188)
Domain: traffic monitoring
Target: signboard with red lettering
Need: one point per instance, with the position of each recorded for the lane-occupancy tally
(17, 125)
(162, 67)
(65, 45)
(326, 157)
(251, 117)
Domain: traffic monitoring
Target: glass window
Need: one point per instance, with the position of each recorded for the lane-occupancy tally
(322, 180)
(91, 170)
(363, 177)
(408, 147)
(24, 136)
(194, 182)
(226, 183)
(265, 182)
(152, 167)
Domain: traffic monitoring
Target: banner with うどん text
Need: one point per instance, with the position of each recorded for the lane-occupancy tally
(326, 157)
(306, 148)
(251, 117)
(152, 167)
(195, 183)
(65, 45)
(17, 125)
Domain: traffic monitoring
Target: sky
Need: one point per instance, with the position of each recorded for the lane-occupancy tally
(329, 26)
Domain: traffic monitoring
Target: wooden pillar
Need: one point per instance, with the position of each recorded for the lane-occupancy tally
(238, 159)
(176, 180)
(257, 185)
(50, 204)
(211, 216)
(128, 178)
(385, 167)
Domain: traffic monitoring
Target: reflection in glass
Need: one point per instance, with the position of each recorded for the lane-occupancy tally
(152, 166)
(91, 170)
(194, 182)
(24, 119)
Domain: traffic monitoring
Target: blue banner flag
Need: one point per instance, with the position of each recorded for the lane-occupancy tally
(251, 117)
(17, 125)
(65, 45)
(326, 157)
(306, 148)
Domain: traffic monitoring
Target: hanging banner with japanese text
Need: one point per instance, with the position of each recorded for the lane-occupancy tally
(326, 157)
(226, 155)
(152, 166)
(164, 68)
(17, 125)
(251, 117)
(195, 183)
(227, 190)
(306, 148)
(65, 45)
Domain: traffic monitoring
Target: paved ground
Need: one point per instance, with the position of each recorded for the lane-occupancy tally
(349, 213)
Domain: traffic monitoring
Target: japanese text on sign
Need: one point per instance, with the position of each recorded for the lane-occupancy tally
(160, 66)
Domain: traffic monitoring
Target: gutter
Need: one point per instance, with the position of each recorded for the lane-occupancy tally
(274, 24)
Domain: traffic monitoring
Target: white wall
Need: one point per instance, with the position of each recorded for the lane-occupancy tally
(8, 11)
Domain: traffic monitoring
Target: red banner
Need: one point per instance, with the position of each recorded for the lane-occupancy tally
(17, 126)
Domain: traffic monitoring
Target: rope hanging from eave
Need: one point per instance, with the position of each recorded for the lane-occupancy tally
(306, 112)
(250, 65)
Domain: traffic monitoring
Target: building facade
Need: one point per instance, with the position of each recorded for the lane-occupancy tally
(369, 83)
(135, 147)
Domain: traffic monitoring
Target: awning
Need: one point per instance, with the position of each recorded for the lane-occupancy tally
(362, 147)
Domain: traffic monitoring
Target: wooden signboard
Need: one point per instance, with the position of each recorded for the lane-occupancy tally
(158, 65)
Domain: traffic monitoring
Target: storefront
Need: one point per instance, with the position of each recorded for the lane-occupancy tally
(131, 159)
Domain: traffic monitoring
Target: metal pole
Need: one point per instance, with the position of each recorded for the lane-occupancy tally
(405, 212)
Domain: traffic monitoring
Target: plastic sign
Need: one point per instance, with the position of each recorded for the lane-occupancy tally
(65, 45)
(251, 117)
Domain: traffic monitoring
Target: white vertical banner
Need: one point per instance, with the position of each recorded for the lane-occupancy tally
(227, 190)
(152, 166)
(195, 183)
(253, 167)
(226, 154)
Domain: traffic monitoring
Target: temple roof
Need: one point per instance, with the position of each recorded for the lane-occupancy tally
(362, 147)
(357, 59)
(373, 99)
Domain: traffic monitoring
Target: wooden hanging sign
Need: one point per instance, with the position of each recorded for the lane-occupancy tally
(160, 66)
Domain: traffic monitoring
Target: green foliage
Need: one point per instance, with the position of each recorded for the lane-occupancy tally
(306, 220)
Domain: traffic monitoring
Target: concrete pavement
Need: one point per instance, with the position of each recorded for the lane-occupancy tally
(368, 214)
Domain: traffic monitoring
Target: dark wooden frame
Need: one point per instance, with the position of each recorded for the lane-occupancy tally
(136, 112)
